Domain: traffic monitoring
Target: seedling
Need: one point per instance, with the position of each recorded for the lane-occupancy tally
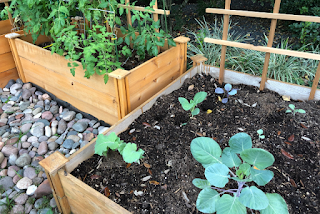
(227, 91)
(191, 106)
(250, 166)
(294, 111)
(8, 203)
(113, 142)
(260, 133)
(8, 99)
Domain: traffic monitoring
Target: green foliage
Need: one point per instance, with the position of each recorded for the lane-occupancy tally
(281, 67)
(8, 203)
(191, 106)
(249, 165)
(97, 49)
(112, 141)
(292, 109)
(261, 135)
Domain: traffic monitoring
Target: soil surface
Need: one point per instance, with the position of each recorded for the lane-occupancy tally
(293, 140)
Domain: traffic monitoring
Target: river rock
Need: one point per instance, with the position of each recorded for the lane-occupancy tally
(52, 146)
(6, 182)
(31, 189)
(68, 144)
(43, 148)
(13, 170)
(62, 126)
(24, 183)
(17, 209)
(80, 126)
(43, 189)
(23, 160)
(68, 116)
(1, 157)
(37, 129)
(21, 199)
(7, 150)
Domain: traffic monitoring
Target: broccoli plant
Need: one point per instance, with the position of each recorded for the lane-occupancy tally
(261, 135)
(198, 98)
(227, 91)
(112, 141)
(293, 110)
(239, 163)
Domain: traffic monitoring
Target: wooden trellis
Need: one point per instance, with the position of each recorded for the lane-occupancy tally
(9, 14)
(269, 49)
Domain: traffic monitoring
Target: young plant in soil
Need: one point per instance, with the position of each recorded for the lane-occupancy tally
(227, 91)
(112, 141)
(261, 135)
(191, 106)
(293, 110)
(250, 166)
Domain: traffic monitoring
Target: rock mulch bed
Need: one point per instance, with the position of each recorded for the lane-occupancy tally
(33, 126)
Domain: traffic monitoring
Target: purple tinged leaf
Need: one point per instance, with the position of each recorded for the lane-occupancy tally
(219, 91)
(233, 92)
(224, 100)
(228, 87)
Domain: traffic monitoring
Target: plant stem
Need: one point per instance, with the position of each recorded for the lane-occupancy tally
(240, 186)
(223, 190)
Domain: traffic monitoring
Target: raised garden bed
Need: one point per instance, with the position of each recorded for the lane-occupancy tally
(124, 91)
(297, 160)
(7, 65)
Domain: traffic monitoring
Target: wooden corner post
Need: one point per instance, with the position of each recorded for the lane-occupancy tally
(182, 44)
(198, 60)
(52, 165)
(11, 39)
(121, 84)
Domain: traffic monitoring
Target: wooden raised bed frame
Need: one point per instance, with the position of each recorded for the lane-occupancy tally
(8, 69)
(110, 102)
(70, 192)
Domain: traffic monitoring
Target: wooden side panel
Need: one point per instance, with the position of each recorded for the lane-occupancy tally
(59, 64)
(150, 77)
(4, 45)
(5, 76)
(5, 26)
(84, 199)
(85, 98)
(6, 62)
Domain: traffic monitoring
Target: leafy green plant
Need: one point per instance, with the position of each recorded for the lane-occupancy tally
(292, 109)
(245, 164)
(191, 106)
(96, 47)
(112, 141)
(261, 135)
(227, 91)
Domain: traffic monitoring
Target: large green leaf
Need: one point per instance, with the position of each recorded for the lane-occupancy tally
(217, 174)
(104, 142)
(205, 150)
(185, 103)
(261, 177)
(130, 154)
(259, 158)
(199, 97)
(230, 205)
(276, 205)
(240, 142)
(253, 198)
(229, 158)
(206, 200)
(201, 183)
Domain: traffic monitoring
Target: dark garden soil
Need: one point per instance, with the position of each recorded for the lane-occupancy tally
(293, 140)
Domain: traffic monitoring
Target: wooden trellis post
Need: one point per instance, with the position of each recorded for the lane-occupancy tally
(224, 37)
(156, 18)
(270, 42)
(9, 14)
(269, 49)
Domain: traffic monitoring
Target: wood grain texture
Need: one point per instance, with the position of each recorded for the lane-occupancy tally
(264, 49)
(59, 64)
(270, 42)
(280, 16)
(150, 77)
(5, 27)
(6, 62)
(4, 45)
(97, 103)
(5, 76)
(78, 192)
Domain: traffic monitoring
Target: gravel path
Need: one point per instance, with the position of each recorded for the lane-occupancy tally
(33, 126)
